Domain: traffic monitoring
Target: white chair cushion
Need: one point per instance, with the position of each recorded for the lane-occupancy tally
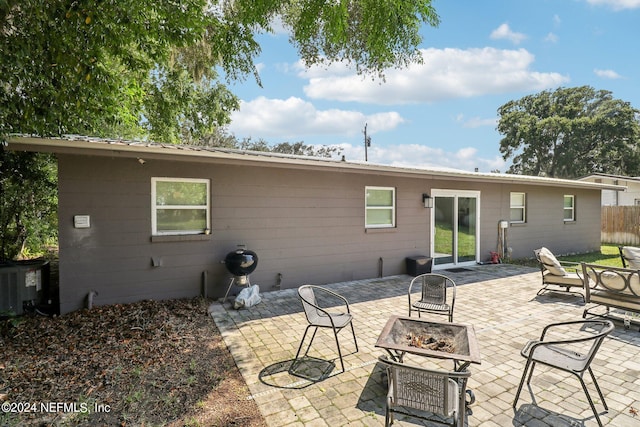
(632, 256)
(551, 263)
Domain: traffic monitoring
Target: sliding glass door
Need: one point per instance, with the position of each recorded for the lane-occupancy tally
(454, 220)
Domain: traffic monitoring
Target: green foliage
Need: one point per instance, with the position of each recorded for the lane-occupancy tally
(149, 69)
(297, 148)
(88, 67)
(129, 68)
(372, 34)
(28, 197)
(570, 132)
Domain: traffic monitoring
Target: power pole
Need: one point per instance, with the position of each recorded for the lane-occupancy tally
(367, 143)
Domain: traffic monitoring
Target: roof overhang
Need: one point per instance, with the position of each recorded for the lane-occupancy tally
(80, 145)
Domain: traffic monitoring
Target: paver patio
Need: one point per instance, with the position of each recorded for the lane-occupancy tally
(499, 300)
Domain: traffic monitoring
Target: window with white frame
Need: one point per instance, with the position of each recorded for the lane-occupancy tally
(569, 207)
(518, 207)
(180, 206)
(380, 207)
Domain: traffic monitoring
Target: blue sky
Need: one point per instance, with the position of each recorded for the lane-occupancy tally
(443, 113)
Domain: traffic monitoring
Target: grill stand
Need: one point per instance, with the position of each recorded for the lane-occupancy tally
(242, 282)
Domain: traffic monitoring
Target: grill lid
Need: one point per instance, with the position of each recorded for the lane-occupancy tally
(241, 262)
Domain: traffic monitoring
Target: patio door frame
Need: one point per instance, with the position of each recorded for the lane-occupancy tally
(456, 194)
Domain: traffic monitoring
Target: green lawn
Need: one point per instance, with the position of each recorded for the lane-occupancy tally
(608, 255)
(444, 241)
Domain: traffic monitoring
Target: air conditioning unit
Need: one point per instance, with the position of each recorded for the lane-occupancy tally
(19, 284)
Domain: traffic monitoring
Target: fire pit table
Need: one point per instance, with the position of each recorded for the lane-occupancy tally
(440, 340)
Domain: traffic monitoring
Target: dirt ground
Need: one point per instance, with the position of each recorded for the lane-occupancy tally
(148, 363)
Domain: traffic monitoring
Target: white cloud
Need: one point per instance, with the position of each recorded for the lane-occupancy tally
(504, 32)
(607, 74)
(551, 38)
(476, 122)
(445, 74)
(292, 117)
(417, 155)
(617, 4)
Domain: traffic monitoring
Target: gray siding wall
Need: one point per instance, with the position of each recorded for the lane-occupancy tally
(306, 227)
(545, 225)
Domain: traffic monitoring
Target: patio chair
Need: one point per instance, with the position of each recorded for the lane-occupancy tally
(320, 317)
(571, 354)
(558, 276)
(433, 295)
(433, 392)
(630, 257)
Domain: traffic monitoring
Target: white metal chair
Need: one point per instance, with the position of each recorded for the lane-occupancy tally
(433, 295)
(571, 354)
(434, 392)
(321, 317)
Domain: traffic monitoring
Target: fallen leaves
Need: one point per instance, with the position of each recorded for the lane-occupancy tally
(150, 362)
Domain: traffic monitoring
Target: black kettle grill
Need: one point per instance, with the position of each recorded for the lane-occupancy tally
(240, 263)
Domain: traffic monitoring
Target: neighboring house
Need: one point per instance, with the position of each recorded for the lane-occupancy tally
(151, 221)
(629, 196)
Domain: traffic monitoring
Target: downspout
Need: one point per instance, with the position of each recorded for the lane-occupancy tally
(90, 296)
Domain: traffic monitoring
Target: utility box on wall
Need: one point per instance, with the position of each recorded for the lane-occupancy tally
(417, 265)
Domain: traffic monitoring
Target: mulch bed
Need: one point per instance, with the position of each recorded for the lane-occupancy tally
(147, 363)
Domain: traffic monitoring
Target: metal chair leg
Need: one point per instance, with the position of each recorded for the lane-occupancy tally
(593, 406)
(353, 331)
(524, 375)
(304, 336)
(593, 378)
(335, 333)
(533, 366)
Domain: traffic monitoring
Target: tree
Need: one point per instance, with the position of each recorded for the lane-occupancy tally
(140, 69)
(225, 140)
(570, 132)
(134, 68)
(28, 202)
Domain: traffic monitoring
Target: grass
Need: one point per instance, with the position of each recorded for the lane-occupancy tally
(608, 255)
(444, 241)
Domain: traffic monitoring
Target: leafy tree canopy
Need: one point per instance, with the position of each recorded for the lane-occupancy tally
(149, 69)
(133, 68)
(224, 140)
(570, 132)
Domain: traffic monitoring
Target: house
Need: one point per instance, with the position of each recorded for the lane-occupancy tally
(143, 220)
(629, 195)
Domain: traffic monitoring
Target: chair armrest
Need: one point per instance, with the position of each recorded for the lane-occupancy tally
(575, 322)
(573, 266)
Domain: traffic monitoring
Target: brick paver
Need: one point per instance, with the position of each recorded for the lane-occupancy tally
(499, 300)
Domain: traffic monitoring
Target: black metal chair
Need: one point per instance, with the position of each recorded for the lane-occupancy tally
(572, 354)
(321, 317)
(433, 295)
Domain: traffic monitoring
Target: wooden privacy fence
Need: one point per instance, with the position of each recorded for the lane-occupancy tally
(620, 225)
